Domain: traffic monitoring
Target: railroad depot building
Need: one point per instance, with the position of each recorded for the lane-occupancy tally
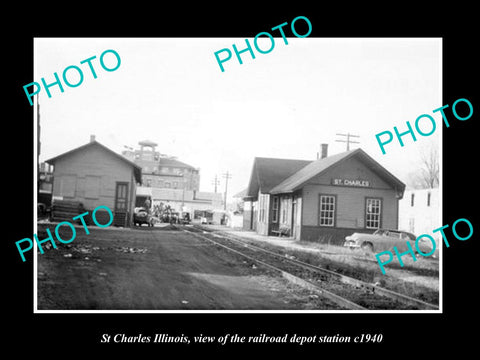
(322, 200)
(93, 175)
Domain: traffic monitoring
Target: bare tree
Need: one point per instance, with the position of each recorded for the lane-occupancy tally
(430, 163)
(427, 175)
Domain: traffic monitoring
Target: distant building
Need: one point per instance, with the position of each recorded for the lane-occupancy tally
(45, 184)
(94, 175)
(322, 200)
(181, 201)
(420, 212)
(238, 202)
(161, 171)
(235, 216)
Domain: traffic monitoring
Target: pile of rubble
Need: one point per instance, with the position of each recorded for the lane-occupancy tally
(131, 250)
(87, 249)
(83, 249)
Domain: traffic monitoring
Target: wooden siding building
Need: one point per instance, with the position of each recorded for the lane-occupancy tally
(94, 175)
(322, 200)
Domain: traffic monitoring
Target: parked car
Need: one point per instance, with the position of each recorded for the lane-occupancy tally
(185, 220)
(386, 239)
(141, 216)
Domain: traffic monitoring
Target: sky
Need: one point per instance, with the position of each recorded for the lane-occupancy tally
(283, 104)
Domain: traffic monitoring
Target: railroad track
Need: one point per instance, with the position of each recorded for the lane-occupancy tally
(347, 292)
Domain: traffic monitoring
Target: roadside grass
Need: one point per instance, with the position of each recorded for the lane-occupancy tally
(424, 266)
(363, 266)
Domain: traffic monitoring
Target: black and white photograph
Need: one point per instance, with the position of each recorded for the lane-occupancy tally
(262, 187)
(232, 180)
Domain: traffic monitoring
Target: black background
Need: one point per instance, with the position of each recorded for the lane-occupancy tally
(66, 335)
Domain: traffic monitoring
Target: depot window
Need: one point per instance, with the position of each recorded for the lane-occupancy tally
(373, 213)
(327, 210)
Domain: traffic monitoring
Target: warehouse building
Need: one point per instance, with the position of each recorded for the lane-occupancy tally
(92, 175)
(322, 200)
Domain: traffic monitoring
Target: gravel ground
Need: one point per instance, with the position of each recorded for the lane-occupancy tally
(157, 269)
(418, 279)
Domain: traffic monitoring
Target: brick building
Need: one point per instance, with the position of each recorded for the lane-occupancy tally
(162, 171)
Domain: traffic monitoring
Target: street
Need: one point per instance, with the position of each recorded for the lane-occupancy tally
(158, 269)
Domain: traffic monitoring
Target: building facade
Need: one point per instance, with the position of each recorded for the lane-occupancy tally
(322, 200)
(161, 171)
(94, 175)
(420, 212)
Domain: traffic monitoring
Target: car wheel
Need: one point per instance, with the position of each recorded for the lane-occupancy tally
(367, 247)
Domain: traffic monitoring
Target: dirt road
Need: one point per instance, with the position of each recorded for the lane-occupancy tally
(158, 269)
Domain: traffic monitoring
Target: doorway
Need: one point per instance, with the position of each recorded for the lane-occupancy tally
(121, 204)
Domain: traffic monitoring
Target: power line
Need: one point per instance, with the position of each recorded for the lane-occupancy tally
(348, 141)
(215, 182)
(226, 176)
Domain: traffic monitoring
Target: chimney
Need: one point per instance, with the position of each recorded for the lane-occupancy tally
(92, 138)
(324, 151)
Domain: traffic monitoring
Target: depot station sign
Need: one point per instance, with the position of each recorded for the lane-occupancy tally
(351, 182)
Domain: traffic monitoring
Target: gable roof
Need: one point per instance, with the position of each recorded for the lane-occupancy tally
(137, 170)
(297, 180)
(268, 172)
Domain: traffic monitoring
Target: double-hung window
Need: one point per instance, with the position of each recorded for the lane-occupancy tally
(327, 210)
(373, 213)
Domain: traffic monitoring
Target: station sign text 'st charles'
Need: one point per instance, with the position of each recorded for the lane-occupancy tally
(348, 182)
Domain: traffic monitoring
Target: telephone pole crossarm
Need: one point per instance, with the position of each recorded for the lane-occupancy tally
(215, 182)
(348, 141)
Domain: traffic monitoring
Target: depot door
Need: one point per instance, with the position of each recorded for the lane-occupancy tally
(296, 217)
(121, 204)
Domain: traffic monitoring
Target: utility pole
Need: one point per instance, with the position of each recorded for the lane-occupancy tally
(226, 176)
(216, 182)
(348, 141)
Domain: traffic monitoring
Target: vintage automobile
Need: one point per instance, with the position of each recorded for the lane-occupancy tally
(386, 239)
(185, 219)
(141, 216)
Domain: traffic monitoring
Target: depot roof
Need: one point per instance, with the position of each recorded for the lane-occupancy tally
(268, 172)
(314, 168)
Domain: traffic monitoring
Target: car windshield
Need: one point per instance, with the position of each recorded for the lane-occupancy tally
(392, 234)
(386, 232)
